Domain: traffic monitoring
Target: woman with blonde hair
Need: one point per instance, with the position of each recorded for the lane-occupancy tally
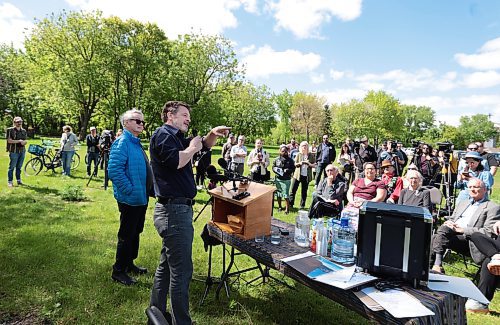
(304, 164)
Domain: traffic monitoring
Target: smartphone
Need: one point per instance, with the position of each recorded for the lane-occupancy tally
(466, 174)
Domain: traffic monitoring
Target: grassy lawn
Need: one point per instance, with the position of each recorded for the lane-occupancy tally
(56, 258)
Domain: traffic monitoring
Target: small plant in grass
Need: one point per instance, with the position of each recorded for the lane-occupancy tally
(72, 193)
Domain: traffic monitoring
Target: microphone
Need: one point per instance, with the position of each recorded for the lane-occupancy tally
(214, 176)
(222, 163)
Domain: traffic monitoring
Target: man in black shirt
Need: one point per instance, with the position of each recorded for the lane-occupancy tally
(174, 187)
(324, 155)
(364, 154)
(92, 140)
(488, 157)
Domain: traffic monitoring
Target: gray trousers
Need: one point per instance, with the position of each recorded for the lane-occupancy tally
(174, 223)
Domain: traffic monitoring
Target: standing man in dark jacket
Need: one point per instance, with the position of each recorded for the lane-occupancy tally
(174, 186)
(92, 140)
(362, 155)
(132, 178)
(324, 156)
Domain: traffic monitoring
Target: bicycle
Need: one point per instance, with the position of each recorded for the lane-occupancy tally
(35, 165)
(49, 144)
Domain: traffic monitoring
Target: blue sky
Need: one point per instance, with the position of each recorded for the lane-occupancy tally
(444, 54)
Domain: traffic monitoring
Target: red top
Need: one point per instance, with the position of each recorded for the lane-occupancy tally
(366, 191)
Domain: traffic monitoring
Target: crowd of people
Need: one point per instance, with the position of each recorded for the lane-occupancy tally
(360, 173)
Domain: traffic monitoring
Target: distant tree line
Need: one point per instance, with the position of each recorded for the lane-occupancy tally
(85, 70)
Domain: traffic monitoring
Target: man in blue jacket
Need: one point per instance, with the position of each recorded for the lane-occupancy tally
(175, 190)
(131, 174)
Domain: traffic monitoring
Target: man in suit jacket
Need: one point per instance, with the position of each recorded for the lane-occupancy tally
(325, 155)
(475, 215)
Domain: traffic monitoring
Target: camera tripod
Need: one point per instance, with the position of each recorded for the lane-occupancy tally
(444, 186)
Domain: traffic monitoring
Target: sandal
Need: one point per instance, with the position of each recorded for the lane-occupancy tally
(437, 269)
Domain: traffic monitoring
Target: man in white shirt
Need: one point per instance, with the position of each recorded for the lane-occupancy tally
(238, 154)
(475, 215)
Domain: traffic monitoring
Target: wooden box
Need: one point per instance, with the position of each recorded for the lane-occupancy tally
(254, 210)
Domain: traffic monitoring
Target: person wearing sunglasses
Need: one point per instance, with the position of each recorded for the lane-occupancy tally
(473, 169)
(16, 147)
(132, 178)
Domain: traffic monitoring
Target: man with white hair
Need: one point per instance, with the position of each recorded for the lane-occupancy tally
(476, 214)
(132, 178)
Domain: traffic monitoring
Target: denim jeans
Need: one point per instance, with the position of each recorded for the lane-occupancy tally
(16, 162)
(66, 157)
(174, 223)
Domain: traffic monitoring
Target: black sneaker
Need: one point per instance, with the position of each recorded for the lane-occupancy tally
(123, 278)
(134, 269)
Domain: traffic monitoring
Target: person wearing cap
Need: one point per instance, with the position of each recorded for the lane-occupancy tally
(16, 147)
(473, 169)
(393, 183)
(226, 149)
(238, 154)
(365, 154)
(92, 140)
(476, 214)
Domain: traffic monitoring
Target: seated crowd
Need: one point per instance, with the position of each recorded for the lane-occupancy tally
(365, 175)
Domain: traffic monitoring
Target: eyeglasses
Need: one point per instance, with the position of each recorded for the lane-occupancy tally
(472, 162)
(474, 187)
(386, 167)
(18, 121)
(139, 122)
(329, 170)
(472, 148)
(412, 169)
(369, 168)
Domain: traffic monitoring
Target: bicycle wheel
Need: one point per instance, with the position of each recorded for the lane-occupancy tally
(33, 166)
(75, 161)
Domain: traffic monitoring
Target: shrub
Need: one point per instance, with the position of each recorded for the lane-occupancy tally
(72, 193)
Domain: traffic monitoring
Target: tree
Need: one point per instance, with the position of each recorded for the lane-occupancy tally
(282, 132)
(476, 128)
(250, 111)
(307, 114)
(417, 120)
(71, 49)
(388, 116)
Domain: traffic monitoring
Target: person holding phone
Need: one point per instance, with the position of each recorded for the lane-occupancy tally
(473, 169)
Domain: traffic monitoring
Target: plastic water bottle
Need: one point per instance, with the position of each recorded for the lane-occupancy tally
(344, 238)
(302, 229)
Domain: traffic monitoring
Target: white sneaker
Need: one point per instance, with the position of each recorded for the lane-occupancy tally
(473, 306)
(199, 187)
(9, 184)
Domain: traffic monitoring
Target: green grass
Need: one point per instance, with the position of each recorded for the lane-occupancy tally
(56, 258)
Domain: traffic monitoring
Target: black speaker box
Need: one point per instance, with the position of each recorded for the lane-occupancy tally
(394, 241)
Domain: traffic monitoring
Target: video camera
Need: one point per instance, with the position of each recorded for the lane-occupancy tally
(416, 143)
(446, 147)
(107, 138)
(356, 145)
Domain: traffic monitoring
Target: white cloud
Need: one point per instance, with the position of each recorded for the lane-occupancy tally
(317, 78)
(13, 25)
(485, 79)
(345, 95)
(174, 17)
(305, 17)
(487, 58)
(336, 75)
(409, 81)
(450, 109)
(266, 61)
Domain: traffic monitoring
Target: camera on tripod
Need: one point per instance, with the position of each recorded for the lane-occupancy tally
(356, 145)
(106, 140)
(446, 147)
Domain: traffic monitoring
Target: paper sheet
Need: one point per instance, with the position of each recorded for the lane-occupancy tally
(399, 304)
(296, 257)
(459, 286)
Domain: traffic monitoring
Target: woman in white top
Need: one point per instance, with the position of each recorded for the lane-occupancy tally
(68, 143)
(305, 161)
(258, 161)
